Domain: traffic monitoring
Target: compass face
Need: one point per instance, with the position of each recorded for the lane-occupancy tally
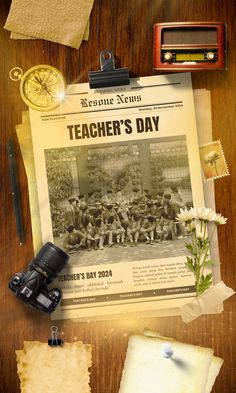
(42, 87)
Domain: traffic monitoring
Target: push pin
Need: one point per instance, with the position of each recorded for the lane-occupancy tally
(54, 340)
(167, 350)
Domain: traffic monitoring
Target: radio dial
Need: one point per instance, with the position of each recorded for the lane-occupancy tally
(210, 56)
(168, 56)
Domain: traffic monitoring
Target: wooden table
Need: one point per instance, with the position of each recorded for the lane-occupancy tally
(126, 28)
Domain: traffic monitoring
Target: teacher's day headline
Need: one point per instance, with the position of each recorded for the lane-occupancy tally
(112, 127)
(108, 128)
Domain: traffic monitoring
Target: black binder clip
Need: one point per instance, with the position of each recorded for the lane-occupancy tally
(109, 75)
(54, 340)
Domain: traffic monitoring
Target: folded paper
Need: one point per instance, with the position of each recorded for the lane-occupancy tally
(18, 36)
(65, 22)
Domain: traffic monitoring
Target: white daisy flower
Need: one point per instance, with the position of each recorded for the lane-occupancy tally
(200, 236)
(204, 214)
(191, 227)
(219, 219)
(185, 216)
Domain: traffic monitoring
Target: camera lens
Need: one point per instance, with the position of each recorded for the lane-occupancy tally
(51, 259)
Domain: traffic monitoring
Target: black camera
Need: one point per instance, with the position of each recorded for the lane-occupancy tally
(31, 285)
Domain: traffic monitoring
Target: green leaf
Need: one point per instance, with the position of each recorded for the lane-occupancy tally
(191, 248)
(190, 264)
(208, 277)
(204, 284)
(203, 243)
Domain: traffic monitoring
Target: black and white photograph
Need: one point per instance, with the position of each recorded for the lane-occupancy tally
(118, 202)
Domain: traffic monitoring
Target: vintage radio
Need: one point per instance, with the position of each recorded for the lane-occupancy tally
(189, 46)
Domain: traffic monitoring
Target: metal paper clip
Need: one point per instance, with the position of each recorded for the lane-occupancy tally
(54, 340)
(109, 75)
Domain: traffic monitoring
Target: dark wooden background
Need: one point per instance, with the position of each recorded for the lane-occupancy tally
(126, 28)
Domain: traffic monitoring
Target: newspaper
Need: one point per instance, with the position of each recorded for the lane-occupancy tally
(112, 167)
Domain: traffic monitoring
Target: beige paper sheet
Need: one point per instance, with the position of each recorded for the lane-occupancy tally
(63, 369)
(147, 370)
(18, 36)
(59, 21)
(25, 142)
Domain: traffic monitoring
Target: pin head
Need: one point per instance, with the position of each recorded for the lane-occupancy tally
(167, 350)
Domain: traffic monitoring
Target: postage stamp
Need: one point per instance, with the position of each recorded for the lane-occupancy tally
(213, 161)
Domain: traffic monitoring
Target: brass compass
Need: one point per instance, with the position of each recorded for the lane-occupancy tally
(42, 87)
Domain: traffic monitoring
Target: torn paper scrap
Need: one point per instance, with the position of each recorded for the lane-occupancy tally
(63, 369)
(207, 302)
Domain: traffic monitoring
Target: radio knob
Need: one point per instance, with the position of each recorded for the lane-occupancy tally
(210, 56)
(168, 56)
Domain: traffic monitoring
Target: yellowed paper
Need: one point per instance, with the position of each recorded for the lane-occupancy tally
(215, 365)
(124, 279)
(146, 370)
(18, 36)
(63, 369)
(202, 100)
(25, 142)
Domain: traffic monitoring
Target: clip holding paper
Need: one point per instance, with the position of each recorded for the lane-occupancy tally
(54, 340)
(109, 75)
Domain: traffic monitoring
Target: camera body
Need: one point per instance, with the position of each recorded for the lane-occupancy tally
(31, 285)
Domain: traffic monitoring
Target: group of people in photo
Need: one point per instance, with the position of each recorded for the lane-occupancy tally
(116, 219)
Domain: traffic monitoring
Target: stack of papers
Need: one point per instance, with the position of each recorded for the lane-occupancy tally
(114, 282)
(191, 368)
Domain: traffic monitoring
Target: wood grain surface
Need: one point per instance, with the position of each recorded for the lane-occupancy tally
(126, 28)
